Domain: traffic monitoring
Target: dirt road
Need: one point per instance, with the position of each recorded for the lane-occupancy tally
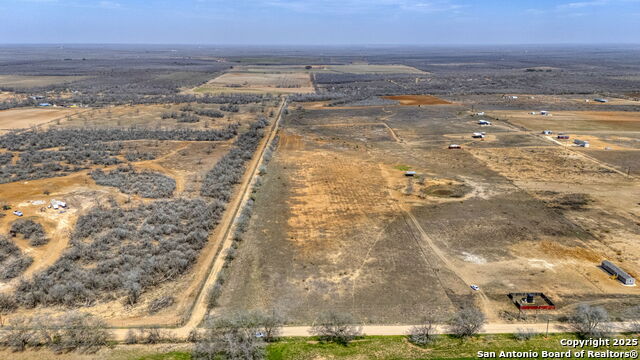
(224, 238)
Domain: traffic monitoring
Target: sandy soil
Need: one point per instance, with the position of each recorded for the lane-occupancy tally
(25, 118)
(418, 100)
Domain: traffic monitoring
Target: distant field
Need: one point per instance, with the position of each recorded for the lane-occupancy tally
(23, 81)
(573, 120)
(369, 69)
(417, 100)
(258, 82)
(24, 118)
(350, 68)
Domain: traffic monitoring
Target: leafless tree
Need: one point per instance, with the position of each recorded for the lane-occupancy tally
(467, 322)
(80, 331)
(336, 327)
(633, 314)
(590, 321)
(234, 337)
(424, 333)
(271, 324)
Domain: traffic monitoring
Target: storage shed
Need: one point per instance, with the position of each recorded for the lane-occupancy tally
(620, 274)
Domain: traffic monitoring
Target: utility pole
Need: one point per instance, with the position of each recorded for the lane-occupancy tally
(547, 334)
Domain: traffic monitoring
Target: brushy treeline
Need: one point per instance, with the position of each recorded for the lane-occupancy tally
(148, 184)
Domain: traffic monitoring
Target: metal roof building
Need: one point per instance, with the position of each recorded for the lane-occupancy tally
(620, 274)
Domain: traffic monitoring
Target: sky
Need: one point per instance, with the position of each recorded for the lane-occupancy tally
(320, 22)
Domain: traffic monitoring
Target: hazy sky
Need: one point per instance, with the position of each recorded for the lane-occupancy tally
(320, 22)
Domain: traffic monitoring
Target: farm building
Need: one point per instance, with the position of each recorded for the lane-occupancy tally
(478, 135)
(601, 100)
(484, 122)
(547, 132)
(581, 143)
(619, 274)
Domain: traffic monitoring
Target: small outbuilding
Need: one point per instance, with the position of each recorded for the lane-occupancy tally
(581, 143)
(618, 273)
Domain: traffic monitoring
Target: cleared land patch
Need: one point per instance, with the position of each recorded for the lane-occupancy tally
(25, 118)
(258, 82)
(417, 100)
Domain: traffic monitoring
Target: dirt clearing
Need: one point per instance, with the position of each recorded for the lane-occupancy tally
(412, 100)
(25, 118)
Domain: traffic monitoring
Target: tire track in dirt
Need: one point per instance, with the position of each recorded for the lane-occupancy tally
(484, 300)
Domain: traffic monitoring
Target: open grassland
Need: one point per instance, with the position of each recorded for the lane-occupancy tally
(258, 82)
(337, 225)
(25, 81)
(577, 121)
(26, 118)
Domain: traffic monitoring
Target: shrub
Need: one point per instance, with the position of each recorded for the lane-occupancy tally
(149, 184)
(336, 327)
(467, 322)
(590, 321)
(31, 230)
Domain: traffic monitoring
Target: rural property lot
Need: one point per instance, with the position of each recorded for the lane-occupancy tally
(337, 225)
(26, 118)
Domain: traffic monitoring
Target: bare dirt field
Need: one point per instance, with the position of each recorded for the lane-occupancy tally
(258, 82)
(417, 100)
(337, 225)
(26, 118)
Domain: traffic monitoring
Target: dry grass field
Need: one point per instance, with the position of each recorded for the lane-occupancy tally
(576, 121)
(258, 82)
(24, 81)
(25, 118)
(337, 225)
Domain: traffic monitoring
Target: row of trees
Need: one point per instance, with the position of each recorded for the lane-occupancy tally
(244, 335)
(78, 138)
(65, 333)
(219, 181)
(148, 184)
